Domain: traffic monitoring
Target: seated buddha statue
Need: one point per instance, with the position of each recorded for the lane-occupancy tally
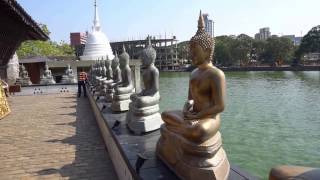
(108, 79)
(143, 115)
(23, 78)
(190, 142)
(103, 77)
(123, 89)
(47, 77)
(68, 77)
(116, 79)
(97, 74)
(23, 71)
(69, 71)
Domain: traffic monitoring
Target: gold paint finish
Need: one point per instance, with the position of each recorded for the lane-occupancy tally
(4, 106)
(190, 142)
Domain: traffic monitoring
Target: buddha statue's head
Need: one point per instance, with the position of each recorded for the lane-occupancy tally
(201, 44)
(115, 61)
(69, 66)
(46, 67)
(124, 58)
(108, 62)
(22, 67)
(149, 54)
(102, 62)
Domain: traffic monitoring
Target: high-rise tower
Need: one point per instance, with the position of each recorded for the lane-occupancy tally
(209, 24)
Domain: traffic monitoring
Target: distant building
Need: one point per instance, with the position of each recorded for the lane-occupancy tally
(78, 38)
(264, 34)
(78, 41)
(167, 51)
(311, 59)
(209, 24)
(295, 40)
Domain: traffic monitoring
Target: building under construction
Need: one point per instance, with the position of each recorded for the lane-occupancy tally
(167, 51)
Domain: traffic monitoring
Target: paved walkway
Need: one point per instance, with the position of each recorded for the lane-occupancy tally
(52, 137)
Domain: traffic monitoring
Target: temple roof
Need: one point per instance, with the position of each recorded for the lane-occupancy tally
(12, 9)
(16, 25)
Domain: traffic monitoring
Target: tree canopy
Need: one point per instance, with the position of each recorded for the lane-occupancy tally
(44, 48)
(310, 42)
(242, 49)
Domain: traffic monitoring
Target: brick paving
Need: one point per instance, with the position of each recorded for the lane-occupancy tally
(52, 137)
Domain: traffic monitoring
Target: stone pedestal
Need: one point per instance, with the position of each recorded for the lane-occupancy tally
(105, 87)
(141, 120)
(120, 102)
(68, 79)
(190, 160)
(47, 80)
(24, 81)
(109, 95)
(99, 86)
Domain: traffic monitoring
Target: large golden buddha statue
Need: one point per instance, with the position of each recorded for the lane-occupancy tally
(190, 142)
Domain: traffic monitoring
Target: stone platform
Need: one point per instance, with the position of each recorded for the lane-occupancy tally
(52, 136)
(132, 155)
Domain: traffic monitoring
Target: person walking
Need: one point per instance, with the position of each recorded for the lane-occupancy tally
(82, 83)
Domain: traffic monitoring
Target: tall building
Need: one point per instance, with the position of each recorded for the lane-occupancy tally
(295, 40)
(264, 34)
(166, 48)
(78, 41)
(78, 38)
(97, 45)
(209, 24)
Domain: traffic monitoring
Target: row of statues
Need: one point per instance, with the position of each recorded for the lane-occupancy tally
(112, 79)
(46, 78)
(190, 142)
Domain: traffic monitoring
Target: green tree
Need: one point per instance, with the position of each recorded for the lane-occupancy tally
(233, 50)
(44, 48)
(310, 42)
(277, 50)
(222, 55)
(241, 48)
(183, 50)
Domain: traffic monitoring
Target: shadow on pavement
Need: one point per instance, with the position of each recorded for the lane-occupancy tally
(91, 158)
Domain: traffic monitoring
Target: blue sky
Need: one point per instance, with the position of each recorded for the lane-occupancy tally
(127, 19)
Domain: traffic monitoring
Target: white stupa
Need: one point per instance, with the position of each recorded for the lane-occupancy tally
(97, 45)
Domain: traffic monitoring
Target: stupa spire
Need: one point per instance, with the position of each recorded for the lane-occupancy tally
(97, 45)
(96, 21)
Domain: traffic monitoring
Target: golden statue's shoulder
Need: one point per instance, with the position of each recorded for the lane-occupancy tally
(216, 72)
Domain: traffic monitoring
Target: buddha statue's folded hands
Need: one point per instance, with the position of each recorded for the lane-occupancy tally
(190, 141)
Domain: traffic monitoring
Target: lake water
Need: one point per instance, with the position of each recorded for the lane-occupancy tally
(271, 118)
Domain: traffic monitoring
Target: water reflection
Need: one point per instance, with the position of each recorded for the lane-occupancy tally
(271, 118)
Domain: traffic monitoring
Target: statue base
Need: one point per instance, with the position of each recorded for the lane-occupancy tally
(68, 79)
(47, 81)
(190, 161)
(102, 91)
(141, 124)
(121, 105)
(108, 97)
(24, 81)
